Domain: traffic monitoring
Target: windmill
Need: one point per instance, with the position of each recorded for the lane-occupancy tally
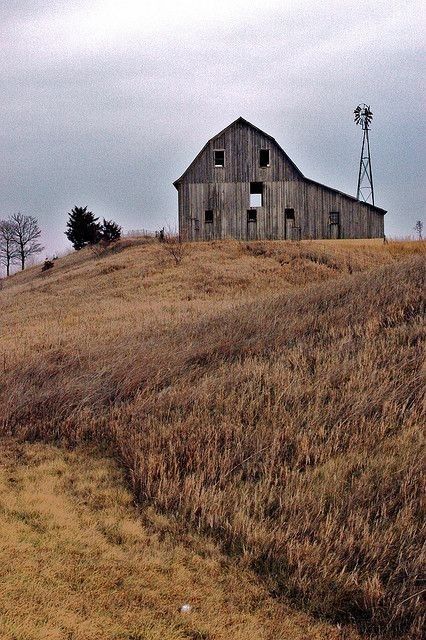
(363, 116)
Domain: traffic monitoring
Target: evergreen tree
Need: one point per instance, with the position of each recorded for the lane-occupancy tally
(110, 231)
(83, 228)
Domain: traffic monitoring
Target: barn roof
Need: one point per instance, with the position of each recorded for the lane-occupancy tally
(242, 120)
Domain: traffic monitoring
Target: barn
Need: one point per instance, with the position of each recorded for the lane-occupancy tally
(243, 185)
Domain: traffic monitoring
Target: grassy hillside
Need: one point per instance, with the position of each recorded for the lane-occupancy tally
(265, 393)
(78, 562)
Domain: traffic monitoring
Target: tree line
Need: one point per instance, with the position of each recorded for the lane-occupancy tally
(83, 229)
(19, 236)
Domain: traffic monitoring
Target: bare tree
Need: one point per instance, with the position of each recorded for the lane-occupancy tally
(418, 228)
(25, 234)
(8, 249)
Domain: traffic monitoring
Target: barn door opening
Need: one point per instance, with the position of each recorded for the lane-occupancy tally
(195, 229)
(334, 224)
(289, 224)
(251, 224)
(209, 224)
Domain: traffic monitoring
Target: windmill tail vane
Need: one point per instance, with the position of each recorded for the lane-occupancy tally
(365, 190)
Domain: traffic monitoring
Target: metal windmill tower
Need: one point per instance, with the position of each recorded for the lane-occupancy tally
(365, 191)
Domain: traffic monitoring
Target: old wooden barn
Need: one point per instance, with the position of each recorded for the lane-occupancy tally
(243, 185)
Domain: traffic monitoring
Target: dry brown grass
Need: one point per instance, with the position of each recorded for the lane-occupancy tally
(78, 562)
(266, 393)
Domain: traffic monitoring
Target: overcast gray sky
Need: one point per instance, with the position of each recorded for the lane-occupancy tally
(105, 103)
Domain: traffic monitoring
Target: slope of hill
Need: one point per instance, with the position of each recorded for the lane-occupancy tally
(267, 394)
(79, 562)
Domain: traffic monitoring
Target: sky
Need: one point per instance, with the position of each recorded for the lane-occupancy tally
(104, 104)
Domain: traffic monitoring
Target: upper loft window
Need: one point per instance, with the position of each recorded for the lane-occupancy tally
(289, 214)
(208, 216)
(219, 157)
(256, 194)
(334, 217)
(264, 157)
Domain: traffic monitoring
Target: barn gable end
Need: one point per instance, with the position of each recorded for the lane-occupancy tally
(240, 141)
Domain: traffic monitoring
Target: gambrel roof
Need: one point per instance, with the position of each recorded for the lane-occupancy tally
(245, 122)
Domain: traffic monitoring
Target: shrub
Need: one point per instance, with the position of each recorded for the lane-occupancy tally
(48, 264)
(175, 247)
(110, 231)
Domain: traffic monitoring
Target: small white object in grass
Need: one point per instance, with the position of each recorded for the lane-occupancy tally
(186, 608)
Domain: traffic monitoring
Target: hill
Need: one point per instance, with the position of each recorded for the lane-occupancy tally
(265, 394)
(79, 562)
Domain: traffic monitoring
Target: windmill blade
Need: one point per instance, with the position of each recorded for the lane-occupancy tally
(363, 115)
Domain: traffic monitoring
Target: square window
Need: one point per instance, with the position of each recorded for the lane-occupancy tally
(264, 157)
(289, 214)
(334, 217)
(251, 215)
(208, 216)
(256, 194)
(219, 158)
(255, 199)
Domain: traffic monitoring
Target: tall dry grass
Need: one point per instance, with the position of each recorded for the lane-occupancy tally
(267, 393)
(79, 562)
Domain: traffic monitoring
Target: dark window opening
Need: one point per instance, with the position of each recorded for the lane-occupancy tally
(251, 215)
(289, 214)
(264, 157)
(219, 158)
(334, 217)
(208, 216)
(256, 194)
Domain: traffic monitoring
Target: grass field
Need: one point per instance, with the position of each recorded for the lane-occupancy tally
(79, 562)
(265, 394)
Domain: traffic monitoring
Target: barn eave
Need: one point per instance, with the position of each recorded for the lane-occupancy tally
(346, 195)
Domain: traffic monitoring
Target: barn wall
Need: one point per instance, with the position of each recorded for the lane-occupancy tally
(357, 219)
(312, 206)
(226, 191)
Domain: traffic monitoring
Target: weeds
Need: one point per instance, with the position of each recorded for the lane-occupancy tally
(174, 246)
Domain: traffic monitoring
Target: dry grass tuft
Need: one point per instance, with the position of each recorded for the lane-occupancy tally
(266, 393)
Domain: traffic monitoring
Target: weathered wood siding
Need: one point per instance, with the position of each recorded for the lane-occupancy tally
(226, 192)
